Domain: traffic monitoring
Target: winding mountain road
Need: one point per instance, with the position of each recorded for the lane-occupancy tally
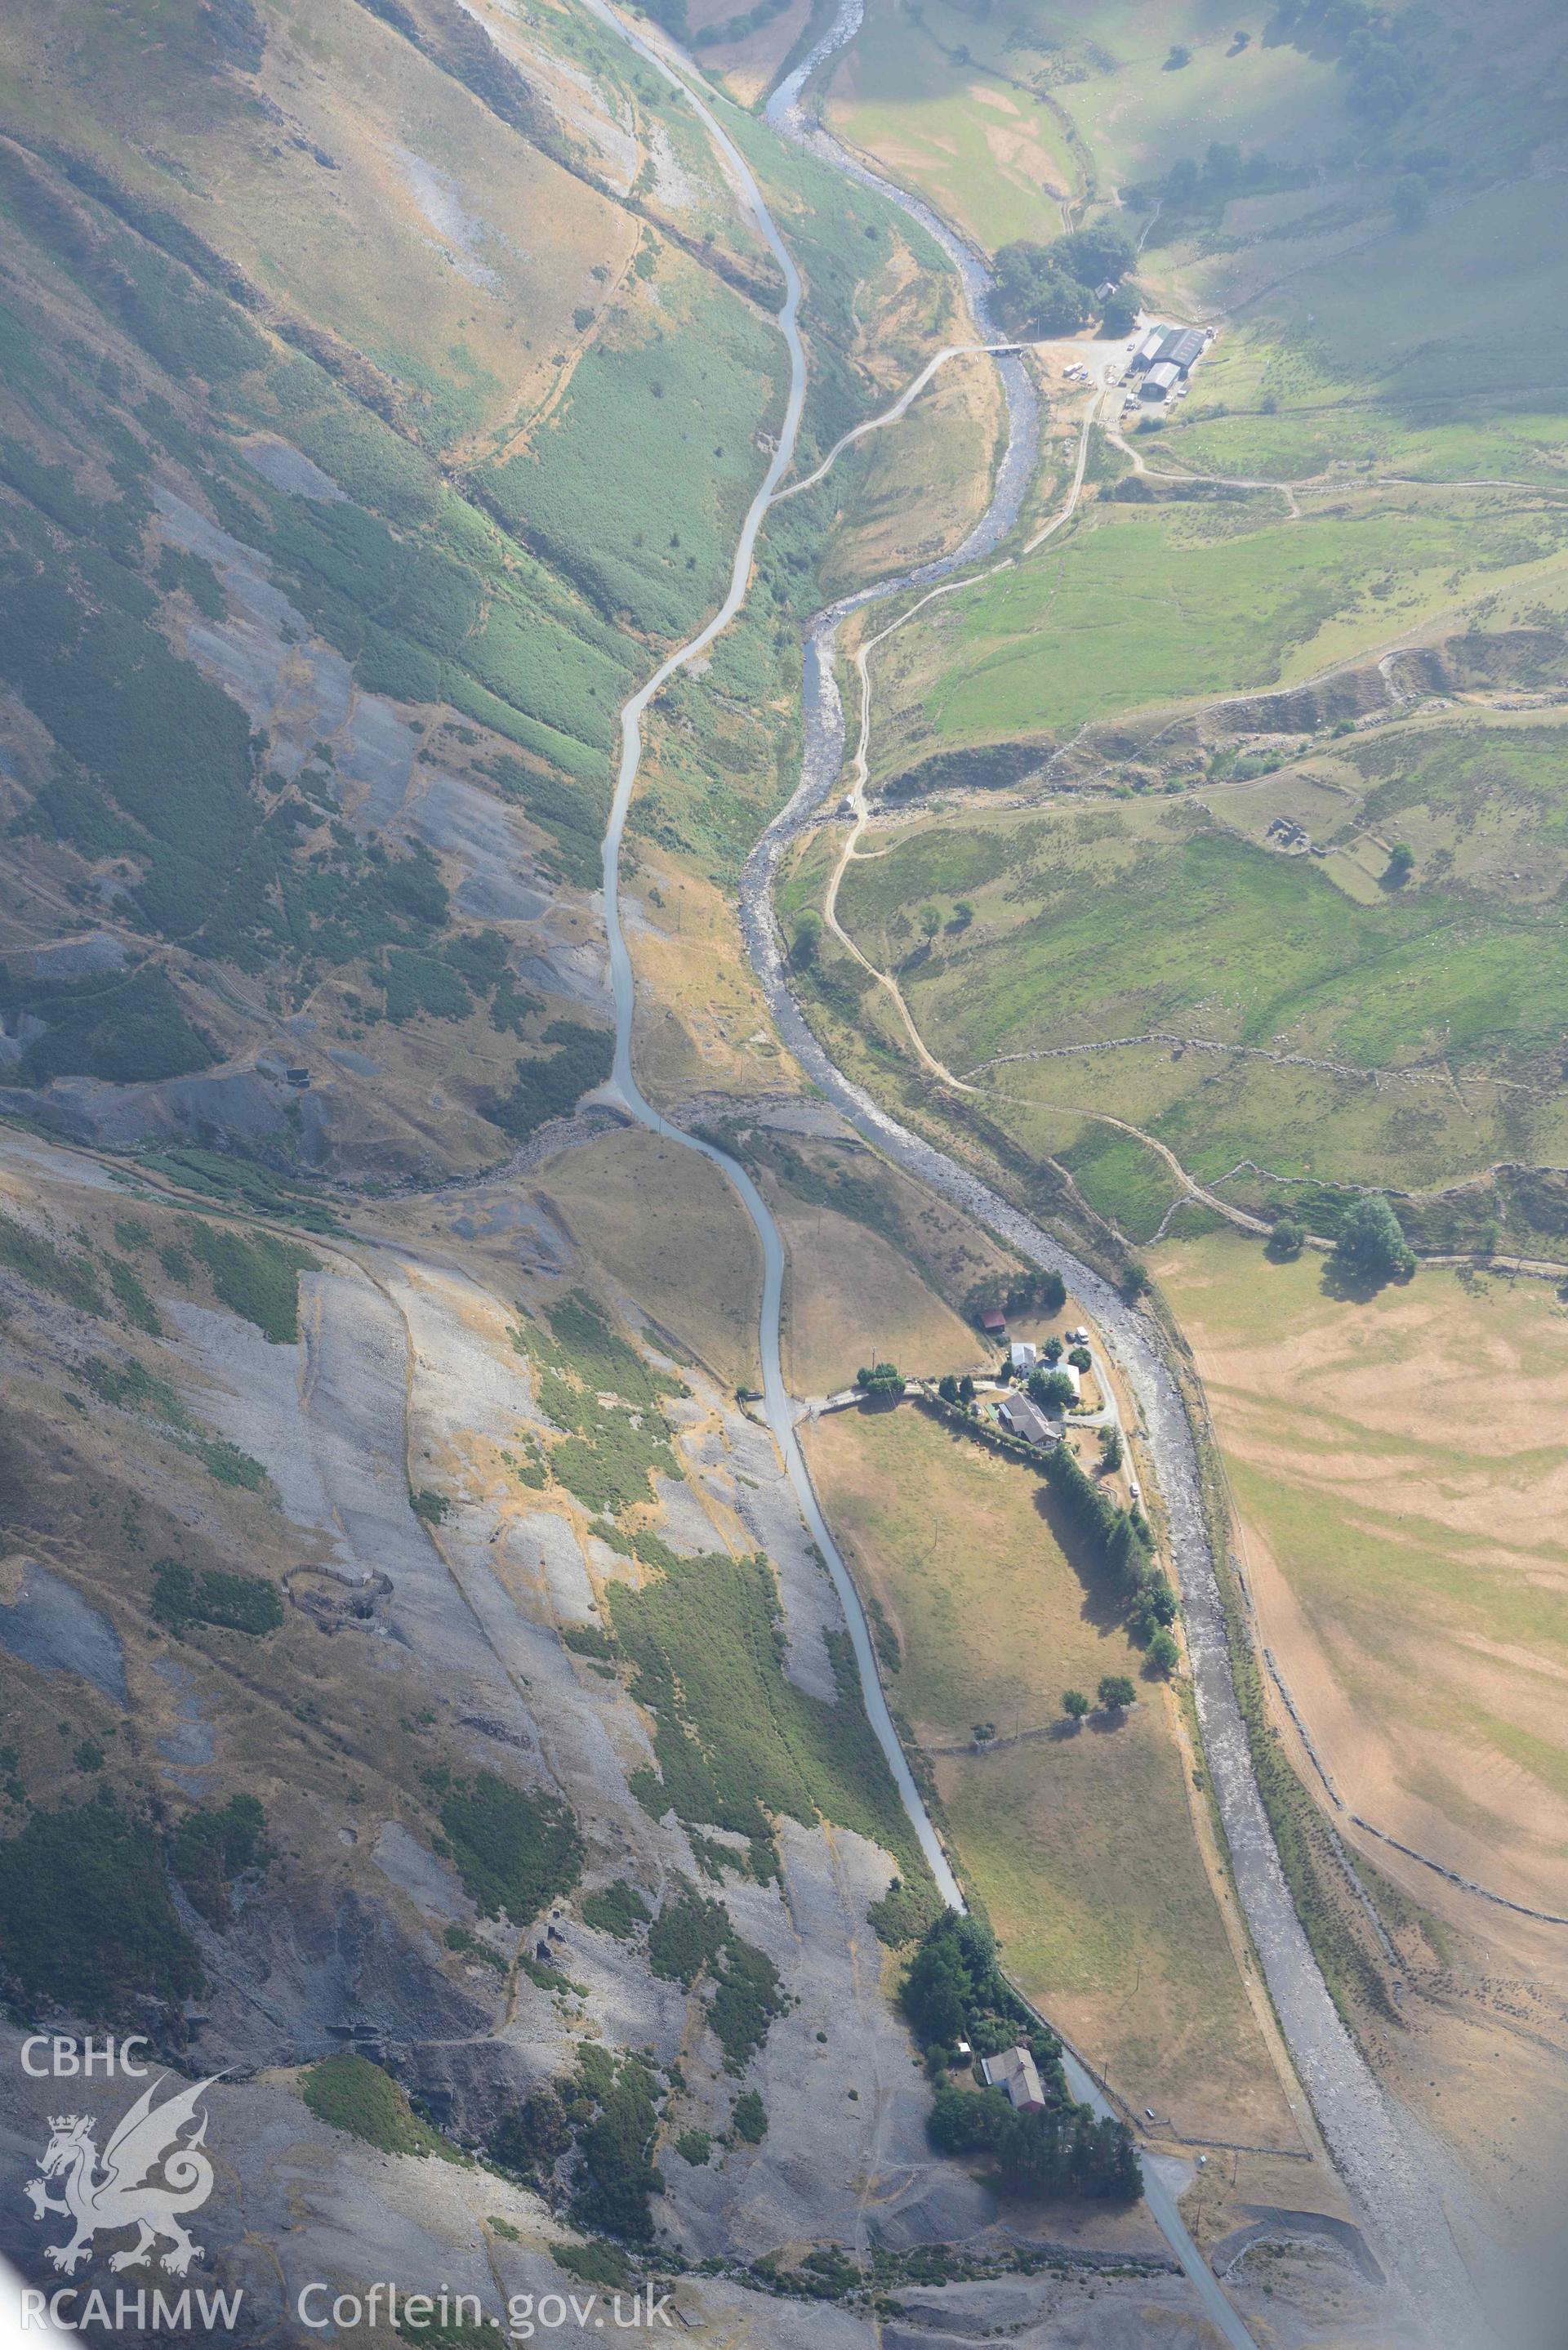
(1403, 2216)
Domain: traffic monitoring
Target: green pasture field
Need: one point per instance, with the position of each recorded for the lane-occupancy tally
(1121, 1178)
(637, 483)
(980, 109)
(1167, 920)
(1133, 609)
(1343, 365)
(985, 148)
(1116, 920)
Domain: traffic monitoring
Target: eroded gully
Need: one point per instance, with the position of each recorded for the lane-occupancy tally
(1402, 2212)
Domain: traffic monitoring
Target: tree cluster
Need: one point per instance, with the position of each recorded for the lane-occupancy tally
(1120, 1536)
(1017, 1292)
(1287, 1239)
(1125, 1545)
(1190, 186)
(1371, 1244)
(1062, 2152)
(881, 1379)
(1382, 77)
(953, 1990)
(1049, 289)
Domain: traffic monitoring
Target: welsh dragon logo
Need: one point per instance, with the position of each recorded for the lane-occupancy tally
(117, 2190)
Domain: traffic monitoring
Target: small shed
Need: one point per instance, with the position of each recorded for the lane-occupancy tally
(993, 1321)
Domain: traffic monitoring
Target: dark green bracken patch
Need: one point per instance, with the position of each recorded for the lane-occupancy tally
(617, 2175)
(209, 1849)
(348, 2093)
(734, 1739)
(37, 1260)
(257, 1278)
(692, 1937)
(86, 1916)
(237, 1602)
(619, 1910)
(552, 1086)
(515, 1852)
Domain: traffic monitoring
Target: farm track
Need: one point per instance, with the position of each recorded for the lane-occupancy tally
(1395, 2189)
(1389, 2180)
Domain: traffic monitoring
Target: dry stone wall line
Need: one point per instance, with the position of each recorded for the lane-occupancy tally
(1404, 2214)
(1399, 2198)
(1407, 2218)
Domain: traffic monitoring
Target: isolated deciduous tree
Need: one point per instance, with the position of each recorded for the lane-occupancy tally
(1163, 1653)
(1081, 1359)
(1155, 1602)
(1075, 1704)
(1287, 1239)
(1117, 1692)
(808, 938)
(1179, 56)
(1372, 1241)
(1400, 866)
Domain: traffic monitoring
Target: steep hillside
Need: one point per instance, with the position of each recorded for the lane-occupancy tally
(381, 391)
(417, 1684)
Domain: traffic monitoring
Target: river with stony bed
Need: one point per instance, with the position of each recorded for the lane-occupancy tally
(1385, 2174)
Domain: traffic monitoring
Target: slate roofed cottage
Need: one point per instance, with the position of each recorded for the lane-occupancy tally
(1024, 1418)
(1016, 2072)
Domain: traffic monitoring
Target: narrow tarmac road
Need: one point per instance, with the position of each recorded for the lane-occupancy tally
(1405, 2217)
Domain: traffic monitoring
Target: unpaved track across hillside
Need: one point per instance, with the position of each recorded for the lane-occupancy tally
(1404, 2214)
(1012, 480)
